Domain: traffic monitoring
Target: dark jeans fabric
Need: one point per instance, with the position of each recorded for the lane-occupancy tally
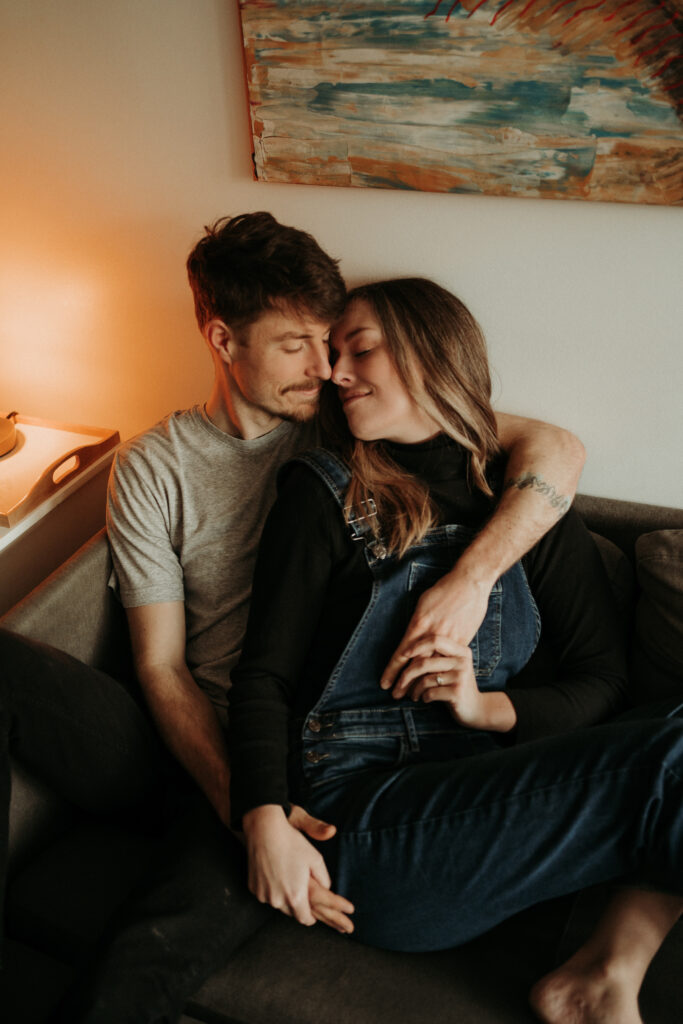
(432, 854)
(85, 735)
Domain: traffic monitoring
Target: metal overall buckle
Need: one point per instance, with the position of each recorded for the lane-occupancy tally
(357, 517)
(369, 510)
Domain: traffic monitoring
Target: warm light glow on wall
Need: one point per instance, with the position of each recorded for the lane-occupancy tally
(48, 326)
(44, 314)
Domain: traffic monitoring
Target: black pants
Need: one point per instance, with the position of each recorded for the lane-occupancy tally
(85, 735)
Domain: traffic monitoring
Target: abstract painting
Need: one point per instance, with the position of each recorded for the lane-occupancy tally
(572, 99)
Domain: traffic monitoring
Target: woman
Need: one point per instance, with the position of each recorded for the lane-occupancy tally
(464, 794)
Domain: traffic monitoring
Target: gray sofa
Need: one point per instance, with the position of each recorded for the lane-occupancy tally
(68, 873)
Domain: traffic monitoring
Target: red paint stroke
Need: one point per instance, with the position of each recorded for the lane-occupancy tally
(436, 7)
(665, 65)
(669, 39)
(635, 21)
(641, 35)
(581, 10)
(475, 9)
(528, 6)
(676, 85)
(500, 10)
(563, 3)
(453, 6)
(628, 3)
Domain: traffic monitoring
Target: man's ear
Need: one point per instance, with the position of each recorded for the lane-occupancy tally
(221, 339)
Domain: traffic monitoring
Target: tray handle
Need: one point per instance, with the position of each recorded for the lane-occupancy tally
(55, 476)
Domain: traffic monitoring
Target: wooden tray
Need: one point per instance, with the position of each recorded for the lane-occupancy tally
(47, 457)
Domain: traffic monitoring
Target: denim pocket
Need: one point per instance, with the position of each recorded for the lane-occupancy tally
(486, 645)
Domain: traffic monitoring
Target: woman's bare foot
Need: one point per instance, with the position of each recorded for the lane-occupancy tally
(585, 994)
(600, 983)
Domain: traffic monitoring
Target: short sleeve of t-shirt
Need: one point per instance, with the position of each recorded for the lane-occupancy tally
(146, 566)
(186, 507)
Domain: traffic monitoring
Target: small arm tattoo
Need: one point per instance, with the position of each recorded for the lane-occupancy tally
(560, 502)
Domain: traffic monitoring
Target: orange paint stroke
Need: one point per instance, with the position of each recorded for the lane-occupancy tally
(432, 180)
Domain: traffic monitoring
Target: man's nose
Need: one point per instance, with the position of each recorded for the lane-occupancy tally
(319, 364)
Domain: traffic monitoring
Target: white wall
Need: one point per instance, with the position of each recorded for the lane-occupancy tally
(124, 131)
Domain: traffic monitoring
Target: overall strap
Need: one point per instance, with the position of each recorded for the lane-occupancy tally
(336, 475)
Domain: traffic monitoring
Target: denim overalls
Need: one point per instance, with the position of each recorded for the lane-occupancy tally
(442, 830)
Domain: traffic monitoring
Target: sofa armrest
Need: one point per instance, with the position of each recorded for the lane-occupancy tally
(75, 611)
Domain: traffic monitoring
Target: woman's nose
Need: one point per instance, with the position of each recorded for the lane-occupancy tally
(341, 371)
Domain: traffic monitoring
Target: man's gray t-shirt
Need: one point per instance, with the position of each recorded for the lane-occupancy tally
(185, 511)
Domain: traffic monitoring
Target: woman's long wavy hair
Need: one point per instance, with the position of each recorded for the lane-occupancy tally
(439, 352)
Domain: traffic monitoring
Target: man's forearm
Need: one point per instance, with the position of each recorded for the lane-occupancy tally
(543, 460)
(543, 469)
(542, 474)
(190, 728)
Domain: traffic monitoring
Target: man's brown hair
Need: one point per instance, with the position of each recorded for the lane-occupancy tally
(247, 265)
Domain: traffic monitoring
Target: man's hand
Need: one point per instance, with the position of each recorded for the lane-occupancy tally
(287, 871)
(454, 607)
(542, 472)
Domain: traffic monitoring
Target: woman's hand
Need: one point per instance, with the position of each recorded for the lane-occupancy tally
(442, 670)
(287, 871)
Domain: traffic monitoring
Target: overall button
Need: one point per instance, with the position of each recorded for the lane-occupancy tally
(314, 725)
(313, 756)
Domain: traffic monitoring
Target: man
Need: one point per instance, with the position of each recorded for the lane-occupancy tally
(187, 502)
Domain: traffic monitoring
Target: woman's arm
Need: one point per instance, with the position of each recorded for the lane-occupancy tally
(587, 683)
(290, 580)
(542, 473)
(291, 576)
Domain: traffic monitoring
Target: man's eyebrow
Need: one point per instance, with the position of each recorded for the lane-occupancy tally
(294, 335)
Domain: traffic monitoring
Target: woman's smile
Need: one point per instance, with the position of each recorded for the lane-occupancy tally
(376, 402)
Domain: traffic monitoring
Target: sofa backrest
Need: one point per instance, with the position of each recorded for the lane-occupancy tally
(74, 610)
(624, 521)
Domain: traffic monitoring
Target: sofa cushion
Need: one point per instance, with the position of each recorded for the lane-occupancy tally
(657, 656)
(63, 899)
(296, 975)
(620, 575)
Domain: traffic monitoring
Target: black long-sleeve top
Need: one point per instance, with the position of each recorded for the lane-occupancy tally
(311, 587)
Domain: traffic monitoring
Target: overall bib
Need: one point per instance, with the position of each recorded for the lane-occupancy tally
(443, 830)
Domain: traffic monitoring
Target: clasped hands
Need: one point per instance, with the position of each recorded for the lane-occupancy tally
(432, 663)
(287, 871)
